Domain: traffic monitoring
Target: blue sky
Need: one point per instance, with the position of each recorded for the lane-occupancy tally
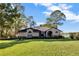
(40, 11)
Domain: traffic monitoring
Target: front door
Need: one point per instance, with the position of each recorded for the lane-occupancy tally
(42, 34)
(49, 33)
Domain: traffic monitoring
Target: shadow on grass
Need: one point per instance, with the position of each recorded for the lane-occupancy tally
(12, 43)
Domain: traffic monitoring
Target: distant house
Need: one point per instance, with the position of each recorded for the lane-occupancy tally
(39, 32)
(66, 35)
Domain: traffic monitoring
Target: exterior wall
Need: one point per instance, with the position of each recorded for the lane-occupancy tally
(21, 34)
(66, 35)
(53, 32)
(36, 34)
(26, 34)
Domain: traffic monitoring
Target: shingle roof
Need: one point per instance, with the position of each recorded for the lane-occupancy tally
(24, 30)
(45, 28)
(42, 28)
(38, 29)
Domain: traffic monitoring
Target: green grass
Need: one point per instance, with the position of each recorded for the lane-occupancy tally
(39, 47)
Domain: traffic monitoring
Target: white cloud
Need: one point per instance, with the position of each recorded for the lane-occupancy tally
(46, 4)
(39, 23)
(43, 4)
(53, 8)
(47, 13)
(36, 4)
(65, 6)
(70, 15)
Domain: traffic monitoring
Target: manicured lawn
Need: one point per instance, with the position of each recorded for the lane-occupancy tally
(39, 47)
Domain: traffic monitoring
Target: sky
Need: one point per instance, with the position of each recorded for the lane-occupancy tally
(40, 11)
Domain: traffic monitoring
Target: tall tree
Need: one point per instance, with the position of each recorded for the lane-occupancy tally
(31, 22)
(12, 18)
(56, 18)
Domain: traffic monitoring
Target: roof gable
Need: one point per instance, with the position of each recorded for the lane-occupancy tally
(42, 28)
(39, 29)
(25, 30)
(54, 28)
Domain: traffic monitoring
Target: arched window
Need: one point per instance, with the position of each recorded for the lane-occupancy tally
(50, 33)
(29, 32)
(56, 32)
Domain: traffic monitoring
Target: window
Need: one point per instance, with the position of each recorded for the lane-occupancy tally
(29, 36)
(56, 31)
(29, 32)
(50, 33)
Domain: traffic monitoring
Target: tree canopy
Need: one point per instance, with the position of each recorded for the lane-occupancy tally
(11, 19)
(56, 18)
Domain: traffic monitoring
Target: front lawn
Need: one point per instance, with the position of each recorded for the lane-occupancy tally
(39, 47)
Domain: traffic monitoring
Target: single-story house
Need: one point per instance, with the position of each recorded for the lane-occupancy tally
(39, 32)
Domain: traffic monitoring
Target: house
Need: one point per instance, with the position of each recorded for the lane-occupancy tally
(39, 32)
(66, 35)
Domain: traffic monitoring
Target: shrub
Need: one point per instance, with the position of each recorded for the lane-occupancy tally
(74, 36)
(71, 36)
(77, 36)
